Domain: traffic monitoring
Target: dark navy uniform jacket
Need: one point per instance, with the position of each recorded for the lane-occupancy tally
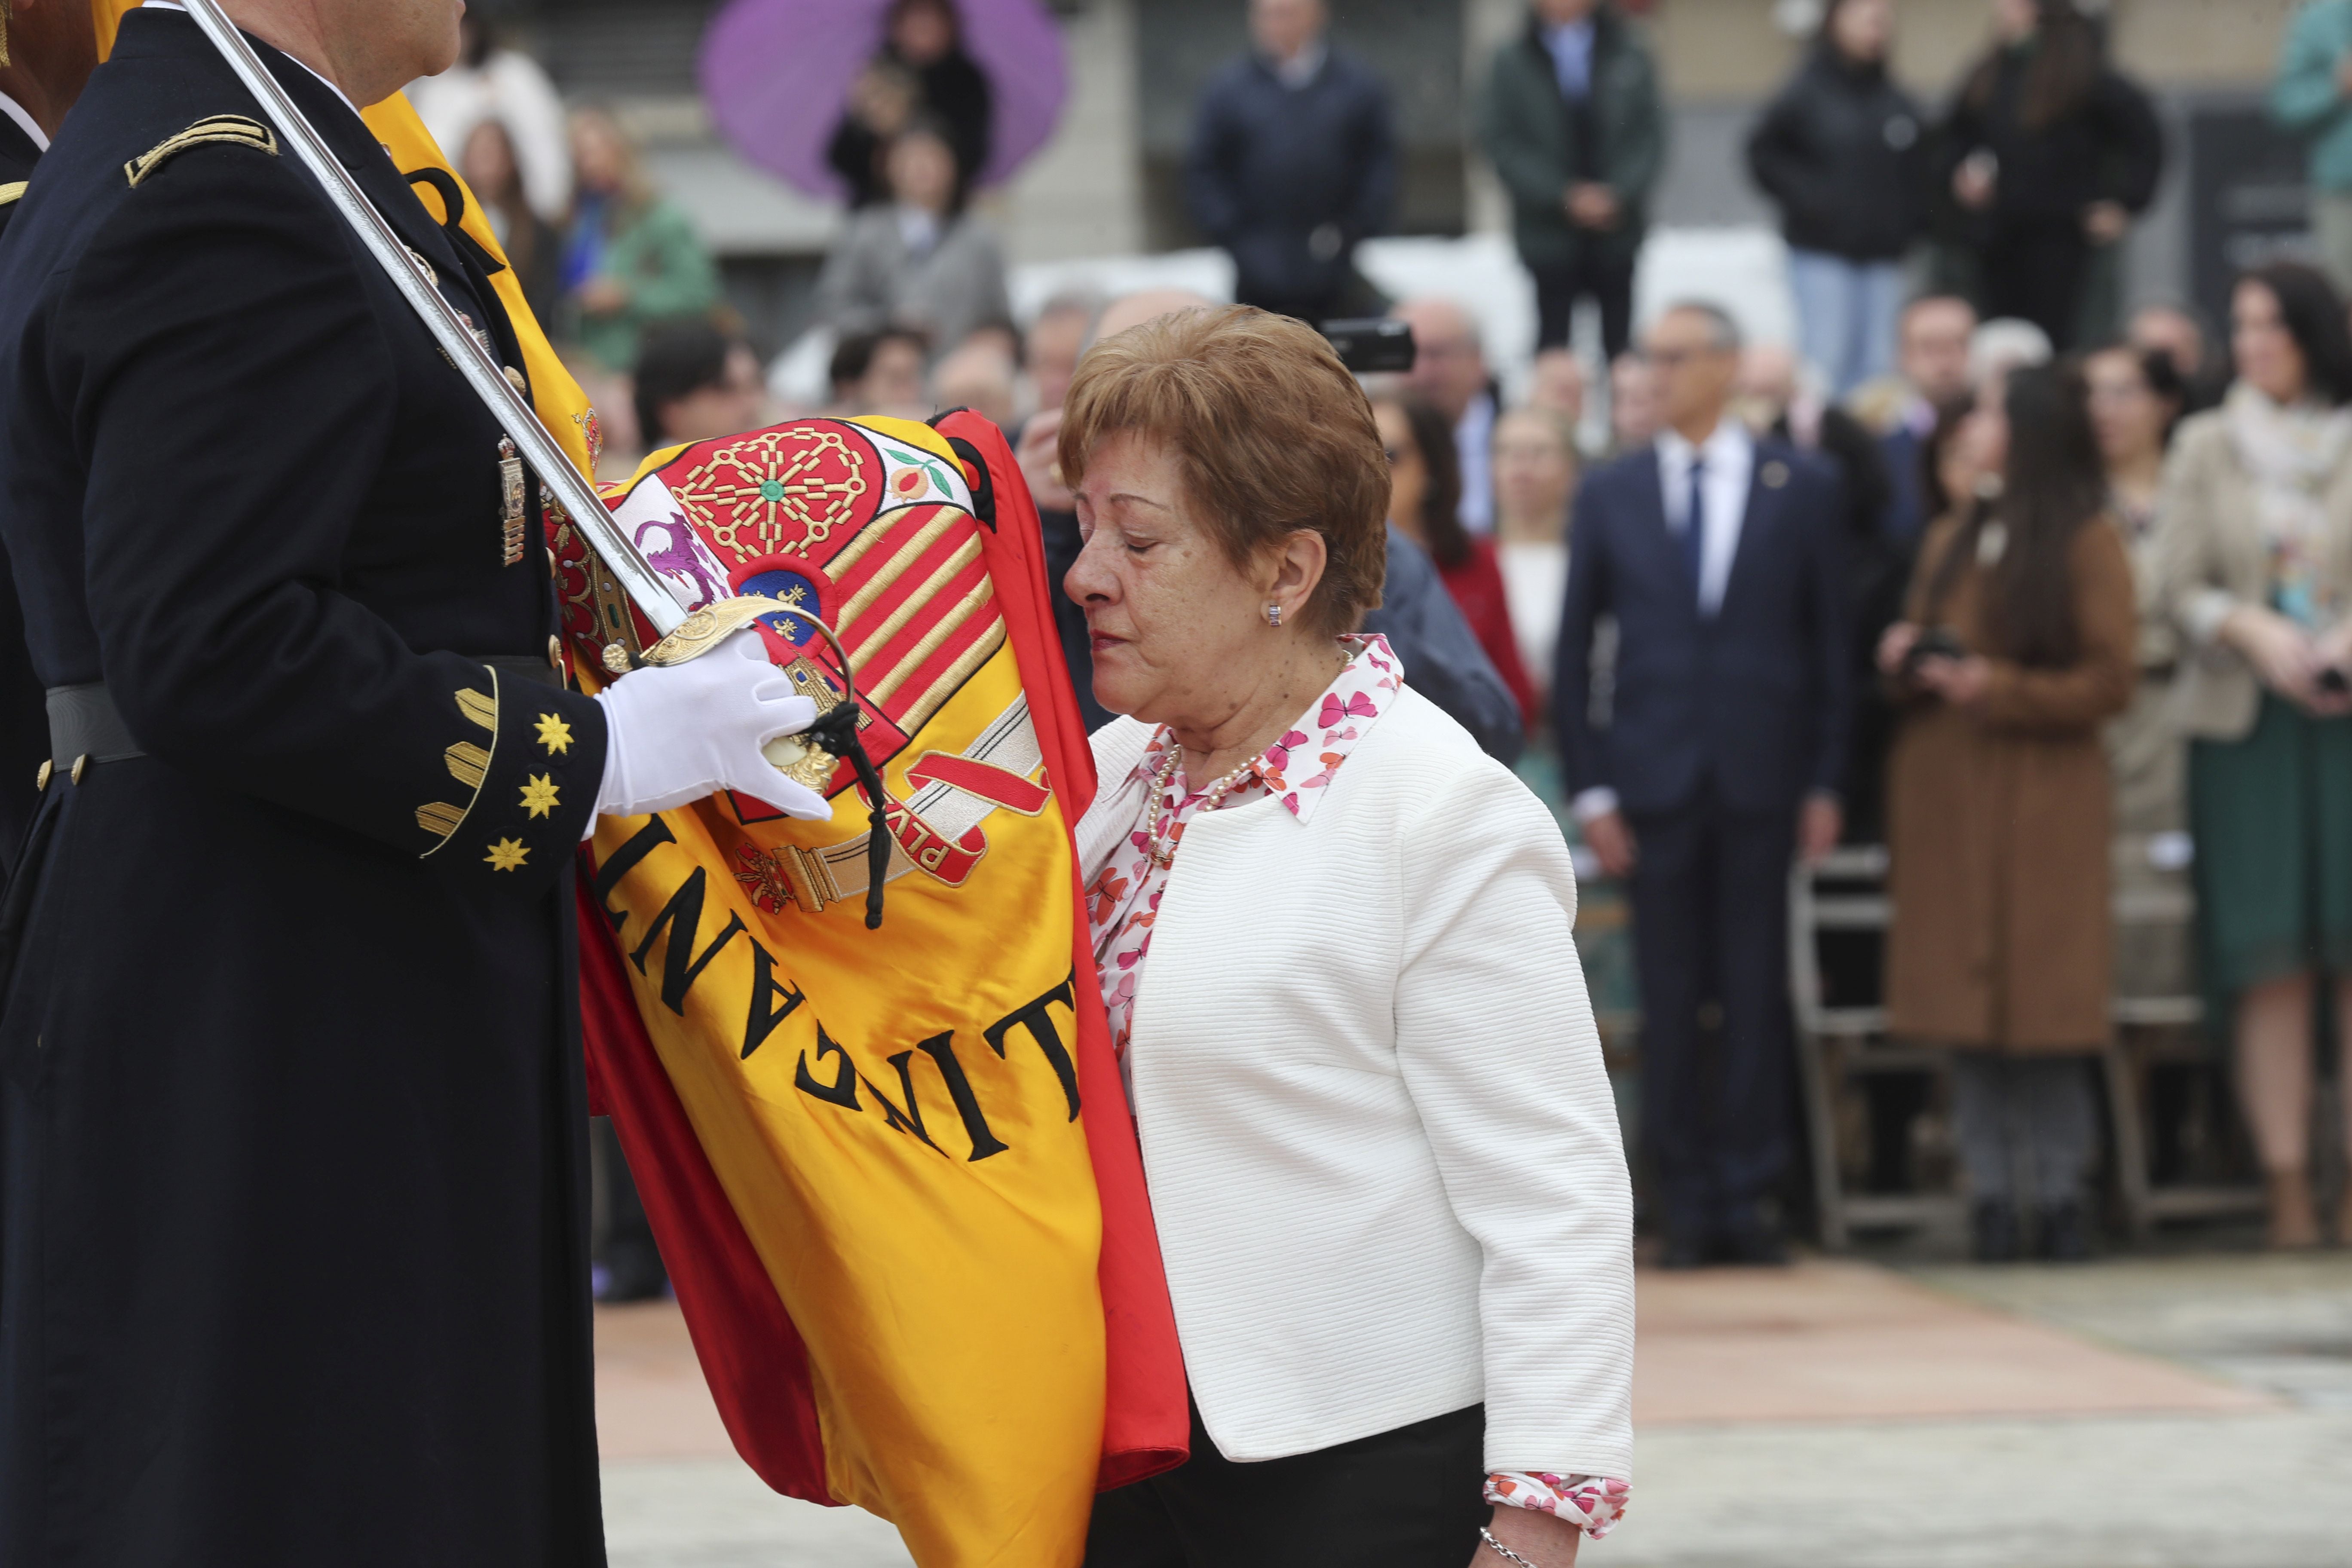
(24, 729)
(292, 1236)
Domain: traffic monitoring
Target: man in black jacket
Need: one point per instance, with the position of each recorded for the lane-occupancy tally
(47, 49)
(292, 1218)
(1294, 159)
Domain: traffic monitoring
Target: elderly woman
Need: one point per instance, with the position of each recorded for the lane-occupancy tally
(1381, 1150)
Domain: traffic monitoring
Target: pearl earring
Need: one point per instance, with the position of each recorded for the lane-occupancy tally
(1274, 616)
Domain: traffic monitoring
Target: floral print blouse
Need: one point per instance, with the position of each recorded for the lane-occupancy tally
(1123, 904)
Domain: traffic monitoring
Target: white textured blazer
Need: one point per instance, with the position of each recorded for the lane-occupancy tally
(1383, 1153)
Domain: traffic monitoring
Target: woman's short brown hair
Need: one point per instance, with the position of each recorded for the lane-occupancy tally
(1273, 433)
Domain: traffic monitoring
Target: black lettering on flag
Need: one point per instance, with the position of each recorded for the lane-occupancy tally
(764, 1014)
(683, 915)
(842, 1090)
(911, 1119)
(940, 1048)
(1039, 1022)
(623, 861)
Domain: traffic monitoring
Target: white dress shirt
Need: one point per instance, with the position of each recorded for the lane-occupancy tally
(15, 111)
(1730, 457)
(1301, 68)
(1473, 442)
(331, 87)
(1535, 585)
(1569, 45)
(1730, 454)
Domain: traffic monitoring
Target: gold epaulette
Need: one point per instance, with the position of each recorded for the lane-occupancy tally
(13, 191)
(234, 129)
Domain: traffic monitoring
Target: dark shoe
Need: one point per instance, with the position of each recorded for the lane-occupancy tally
(1996, 1231)
(2061, 1233)
(1684, 1252)
(1755, 1245)
(633, 1272)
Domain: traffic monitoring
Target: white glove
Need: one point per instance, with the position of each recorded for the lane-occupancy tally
(677, 733)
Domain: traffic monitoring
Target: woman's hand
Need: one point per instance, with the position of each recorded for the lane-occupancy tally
(2283, 655)
(2104, 223)
(1962, 682)
(1894, 647)
(1545, 1539)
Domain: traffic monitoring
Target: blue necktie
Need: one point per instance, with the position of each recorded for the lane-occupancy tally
(1695, 531)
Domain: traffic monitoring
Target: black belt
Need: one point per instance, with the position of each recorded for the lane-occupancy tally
(86, 726)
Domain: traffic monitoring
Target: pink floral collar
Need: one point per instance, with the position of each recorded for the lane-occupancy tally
(1342, 717)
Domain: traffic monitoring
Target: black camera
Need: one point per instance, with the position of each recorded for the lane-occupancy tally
(1935, 642)
(1373, 345)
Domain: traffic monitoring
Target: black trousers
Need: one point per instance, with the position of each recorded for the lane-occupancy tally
(1412, 1499)
(2036, 271)
(1710, 899)
(1607, 281)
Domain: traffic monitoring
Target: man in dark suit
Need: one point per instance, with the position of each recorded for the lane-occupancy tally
(1719, 556)
(292, 1124)
(1933, 354)
(47, 49)
(1293, 160)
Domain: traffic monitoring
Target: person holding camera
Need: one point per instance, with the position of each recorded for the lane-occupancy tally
(2254, 561)
(2017, 645)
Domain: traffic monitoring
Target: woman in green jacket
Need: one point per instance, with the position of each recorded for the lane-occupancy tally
(631, 258)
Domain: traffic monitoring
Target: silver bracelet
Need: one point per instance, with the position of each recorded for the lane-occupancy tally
(1488, 1536)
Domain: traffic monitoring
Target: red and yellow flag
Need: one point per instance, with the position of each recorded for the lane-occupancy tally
(891, 1171)
(919, 1128)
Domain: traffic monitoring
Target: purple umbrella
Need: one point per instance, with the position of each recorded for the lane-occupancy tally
(777, 74)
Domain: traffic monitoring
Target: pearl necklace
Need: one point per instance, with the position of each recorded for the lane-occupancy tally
(1163, 848)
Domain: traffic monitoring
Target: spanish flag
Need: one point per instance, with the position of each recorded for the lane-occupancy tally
(891, 1171)
(905, 1149)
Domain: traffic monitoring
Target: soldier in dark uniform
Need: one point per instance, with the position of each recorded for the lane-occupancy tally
(292, 1236)
(47, 48)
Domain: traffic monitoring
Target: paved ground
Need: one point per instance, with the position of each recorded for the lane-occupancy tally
(2133, 1414)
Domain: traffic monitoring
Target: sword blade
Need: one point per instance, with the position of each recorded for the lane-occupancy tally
(620, 553)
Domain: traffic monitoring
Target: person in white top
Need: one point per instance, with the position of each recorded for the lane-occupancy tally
(1535, 474)
(505, 85)
(1333, 940)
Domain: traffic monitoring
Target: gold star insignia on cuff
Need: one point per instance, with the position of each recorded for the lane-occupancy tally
(507, 854)
(538, 795)
(554, 734)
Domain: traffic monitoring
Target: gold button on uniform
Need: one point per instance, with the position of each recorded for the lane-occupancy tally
(80, 763)
(41, 778)
(515, 380)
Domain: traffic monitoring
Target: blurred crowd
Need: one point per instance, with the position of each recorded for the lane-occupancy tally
(2044, 591)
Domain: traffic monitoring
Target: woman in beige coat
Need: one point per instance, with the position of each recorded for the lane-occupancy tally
(2255, 563)
(2017, 649)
